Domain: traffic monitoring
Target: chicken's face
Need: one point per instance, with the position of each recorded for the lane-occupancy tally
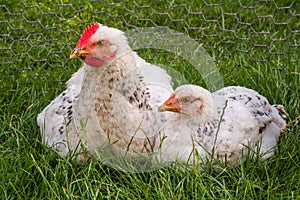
(189, 100)
(98, 44)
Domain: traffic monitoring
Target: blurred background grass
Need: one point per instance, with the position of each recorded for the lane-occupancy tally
(253, 43)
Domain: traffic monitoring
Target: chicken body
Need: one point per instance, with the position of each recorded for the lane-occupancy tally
(224, 125)
(110, 102)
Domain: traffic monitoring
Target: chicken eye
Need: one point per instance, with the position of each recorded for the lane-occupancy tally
(101, 43)
(185, 100)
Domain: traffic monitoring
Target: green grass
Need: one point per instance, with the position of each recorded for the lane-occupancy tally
(36, 39)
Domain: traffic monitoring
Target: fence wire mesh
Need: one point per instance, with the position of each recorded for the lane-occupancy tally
(37, 36)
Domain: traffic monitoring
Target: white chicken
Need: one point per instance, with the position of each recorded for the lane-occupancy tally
(223, 125)
(111, 100)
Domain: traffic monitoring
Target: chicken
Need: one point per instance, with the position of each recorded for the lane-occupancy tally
(223, 125)
(109, 103)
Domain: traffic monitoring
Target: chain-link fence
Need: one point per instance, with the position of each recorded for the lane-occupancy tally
(37, 36)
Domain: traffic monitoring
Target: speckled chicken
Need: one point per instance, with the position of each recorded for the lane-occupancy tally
(111, 101)
(223, 124)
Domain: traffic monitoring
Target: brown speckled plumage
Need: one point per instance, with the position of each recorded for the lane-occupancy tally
(112, 103)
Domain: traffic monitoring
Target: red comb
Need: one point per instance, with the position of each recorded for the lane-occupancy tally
(88, 32)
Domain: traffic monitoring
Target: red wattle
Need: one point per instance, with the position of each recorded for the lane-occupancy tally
(94, 62)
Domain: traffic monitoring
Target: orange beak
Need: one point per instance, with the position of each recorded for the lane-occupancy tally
(79, 53)
(172, 104)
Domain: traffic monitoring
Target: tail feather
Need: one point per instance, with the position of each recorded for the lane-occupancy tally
(281, 111)
(280, 118)
(272, 131)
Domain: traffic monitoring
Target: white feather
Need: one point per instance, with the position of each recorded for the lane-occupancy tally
(78, 118)
(231, 121)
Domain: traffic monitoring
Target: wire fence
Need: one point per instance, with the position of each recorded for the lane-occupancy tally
(37, 36)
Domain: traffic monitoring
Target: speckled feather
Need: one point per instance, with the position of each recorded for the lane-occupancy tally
(232, 119)
(57, 117)
(127, 108)
(116, 103)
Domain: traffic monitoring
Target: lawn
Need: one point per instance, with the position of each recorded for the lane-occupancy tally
(252, 43)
